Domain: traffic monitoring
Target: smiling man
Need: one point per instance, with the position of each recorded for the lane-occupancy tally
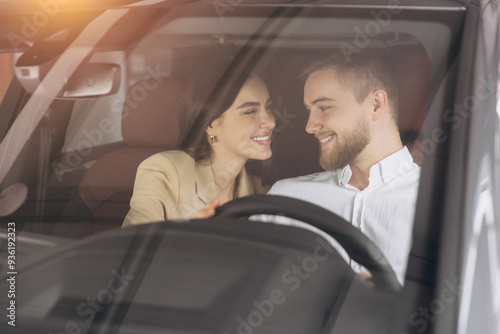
(370, 178)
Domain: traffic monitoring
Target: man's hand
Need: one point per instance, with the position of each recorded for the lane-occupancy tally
(207, 211)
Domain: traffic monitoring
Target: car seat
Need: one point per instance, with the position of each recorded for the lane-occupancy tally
(149, 125)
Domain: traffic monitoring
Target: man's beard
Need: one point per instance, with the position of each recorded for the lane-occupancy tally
(343, 153)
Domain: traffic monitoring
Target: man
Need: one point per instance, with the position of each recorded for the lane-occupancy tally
(370, 178)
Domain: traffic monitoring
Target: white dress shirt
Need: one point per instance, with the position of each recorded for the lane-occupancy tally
(383, 211)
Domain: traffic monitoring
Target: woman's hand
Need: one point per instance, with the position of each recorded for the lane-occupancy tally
(207, 211)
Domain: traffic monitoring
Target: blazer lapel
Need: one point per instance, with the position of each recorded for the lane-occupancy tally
(204, 182)
(246, 186)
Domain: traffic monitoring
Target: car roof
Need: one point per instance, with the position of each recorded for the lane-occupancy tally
(11, 7)
(18, 16)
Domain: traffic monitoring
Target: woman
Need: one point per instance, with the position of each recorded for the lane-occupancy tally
(222, 131)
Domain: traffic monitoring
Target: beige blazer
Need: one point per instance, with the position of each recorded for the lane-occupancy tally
(172, 185)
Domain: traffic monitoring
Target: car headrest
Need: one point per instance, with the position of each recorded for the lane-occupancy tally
(149, 117)
(413, 76)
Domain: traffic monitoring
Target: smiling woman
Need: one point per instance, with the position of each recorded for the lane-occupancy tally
(219, 139)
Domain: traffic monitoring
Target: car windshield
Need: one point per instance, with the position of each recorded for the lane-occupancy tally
(143, 49)
(88, 94)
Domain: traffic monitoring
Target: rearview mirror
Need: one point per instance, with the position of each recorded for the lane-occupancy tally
(98, 78)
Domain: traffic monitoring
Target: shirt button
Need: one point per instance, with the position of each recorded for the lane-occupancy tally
(355, 265)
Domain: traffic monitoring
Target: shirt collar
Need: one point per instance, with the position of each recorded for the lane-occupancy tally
(396, 164)
(343, 176)
(386, 169)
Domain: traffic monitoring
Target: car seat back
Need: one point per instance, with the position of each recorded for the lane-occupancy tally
(149, 125)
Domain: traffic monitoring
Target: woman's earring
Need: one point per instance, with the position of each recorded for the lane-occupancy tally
(212, 139)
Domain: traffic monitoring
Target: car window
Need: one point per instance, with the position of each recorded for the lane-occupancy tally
(98, 95)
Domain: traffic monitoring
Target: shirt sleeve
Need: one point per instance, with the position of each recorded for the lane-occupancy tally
(156, 192)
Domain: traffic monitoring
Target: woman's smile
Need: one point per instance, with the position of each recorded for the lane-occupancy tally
(264, 139)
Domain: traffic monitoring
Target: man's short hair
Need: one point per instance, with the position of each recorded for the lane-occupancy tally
(362, 74)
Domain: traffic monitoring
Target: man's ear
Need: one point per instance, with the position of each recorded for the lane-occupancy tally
(379, 104)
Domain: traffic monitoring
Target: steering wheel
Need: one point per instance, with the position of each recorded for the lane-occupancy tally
(357, 245)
